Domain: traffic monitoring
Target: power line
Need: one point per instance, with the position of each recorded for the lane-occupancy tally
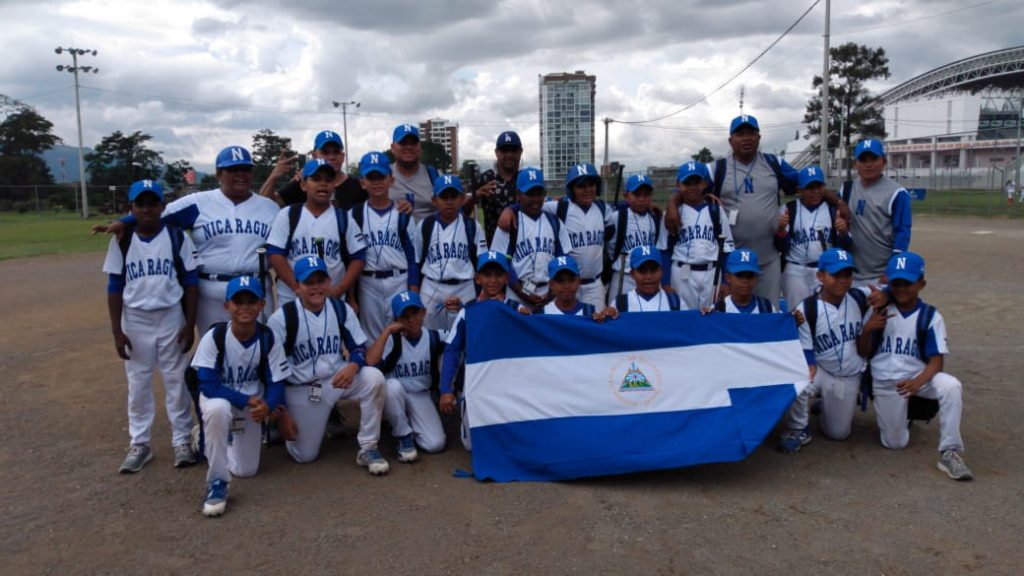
(731, 78)
(912, 20)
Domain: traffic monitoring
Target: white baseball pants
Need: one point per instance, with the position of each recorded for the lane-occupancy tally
(891, 409)
(241, 455)
(414, 413)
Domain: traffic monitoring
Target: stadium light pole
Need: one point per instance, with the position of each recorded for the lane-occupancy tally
(1020, 116)
(74, 69)
(825, 77)
(344, 126)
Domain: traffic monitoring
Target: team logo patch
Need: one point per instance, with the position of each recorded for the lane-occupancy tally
(635, 381)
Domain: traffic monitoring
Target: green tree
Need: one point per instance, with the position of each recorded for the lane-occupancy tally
(704, 156)
(24, 136)
(120, 159)
(851, 67)
(174, 173)
(266, 147)
(208, 181)
(435, 155)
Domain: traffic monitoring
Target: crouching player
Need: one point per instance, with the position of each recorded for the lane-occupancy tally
(906, 342)
(408, 354)
(313, 329)
(241, 373)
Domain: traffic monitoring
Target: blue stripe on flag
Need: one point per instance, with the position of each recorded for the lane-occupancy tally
(545, 335)
(575, 447)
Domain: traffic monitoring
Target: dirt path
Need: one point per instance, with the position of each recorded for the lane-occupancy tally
(844, 508)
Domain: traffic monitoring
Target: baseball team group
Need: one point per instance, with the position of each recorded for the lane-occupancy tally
(334, 288)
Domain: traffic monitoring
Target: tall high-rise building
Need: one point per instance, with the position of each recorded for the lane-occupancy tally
(445, 133)
(566, 121)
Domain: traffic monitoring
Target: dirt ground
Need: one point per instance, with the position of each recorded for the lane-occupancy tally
(842, 508)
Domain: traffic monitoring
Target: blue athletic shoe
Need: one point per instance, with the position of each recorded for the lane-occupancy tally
(407, 449)
(216, 498)
(792, 440)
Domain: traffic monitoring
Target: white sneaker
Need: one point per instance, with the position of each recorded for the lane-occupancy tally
(953, 465)
(407, 449)
(372, 459)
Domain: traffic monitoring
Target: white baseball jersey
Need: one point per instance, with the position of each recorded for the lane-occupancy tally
(696, 243)
(898, 356)
(809, 225)
(226, 235)
(380, 232)
(834, 343)
(536, 245)
(641, 230)
(308, 229)
(585, 229)
(660, 302)
(240, 362)
(752, 308)
(447, 251)
(318, 341)
(150, 277)
(415, 364)
(580, 310)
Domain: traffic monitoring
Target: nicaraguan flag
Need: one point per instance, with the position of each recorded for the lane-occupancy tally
(552, 398)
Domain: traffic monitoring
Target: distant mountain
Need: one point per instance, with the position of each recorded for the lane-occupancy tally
(67, 154)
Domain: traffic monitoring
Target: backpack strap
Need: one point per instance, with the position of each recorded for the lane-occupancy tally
(622, 302)
(436, 349)
(620, 232)
(784, 184)
(470, 226)
(847, 191)
(715, 213)
(588, 309)
(719, 178)
(403, 230)
(562, 212)
(124, 243)
(673, 301)
(391, 360)
(340, 313)
(764, 305)
(357, 214)
(860, 299)
(924, 321)
(220, 332)
(342, 217)
(427, 233)
(720, 305)
(791, 211)
(294, 213)
(811, 317)
(656, 214)
(431, 173)
(513, 237)
(291, 326)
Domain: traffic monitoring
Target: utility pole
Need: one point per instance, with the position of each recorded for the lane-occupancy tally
(344, 126)
(1020, 116)
(606, 121)
(743, 92)
(74, 69)
(826, 78)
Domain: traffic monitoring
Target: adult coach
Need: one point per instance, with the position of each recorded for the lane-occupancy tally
(747, 183)
(227, 225)
(881, 220)
(328, 147)
(412, 179)
(497, 188)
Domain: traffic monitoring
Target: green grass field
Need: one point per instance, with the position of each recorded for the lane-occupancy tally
(968, 203)
(24, 235)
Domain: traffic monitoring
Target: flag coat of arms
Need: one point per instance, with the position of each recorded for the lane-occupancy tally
(554, 398)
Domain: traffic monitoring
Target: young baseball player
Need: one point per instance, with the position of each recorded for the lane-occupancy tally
(492, 277)
(536, 238)
(409, 355)
(565, 281)
(742, 272)
(648, 296)
(638, 224)
(391, 239)
(880, 221)
(241, 373)
(807, 227)
(313, 329)
(834, 318)
(319, 229)
(151, 272)
(906, 342)
(585, 219)
(451, 242)
(690, 271)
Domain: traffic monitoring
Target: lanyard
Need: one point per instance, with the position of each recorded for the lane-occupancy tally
(309, 336)
(437, 231)
(387, 228)
(842, 345)
(536, 245)
(640, 302)
(748, 182)
(252, 356)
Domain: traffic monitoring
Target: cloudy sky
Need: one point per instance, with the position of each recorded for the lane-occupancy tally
(200, 75)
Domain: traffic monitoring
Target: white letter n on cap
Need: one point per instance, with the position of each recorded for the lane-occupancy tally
(901, 263)
(745, 256)
(243, 281)
(532, 174)
(236, 154)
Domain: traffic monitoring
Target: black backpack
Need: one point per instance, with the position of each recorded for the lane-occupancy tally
(428, 232)
(773, 162)
(177, 239)
(291, 322)
(295, 212)
(620, 239)
(764, 305)
(513, 235)
(622, 302)
(389, 362)
(403, 223)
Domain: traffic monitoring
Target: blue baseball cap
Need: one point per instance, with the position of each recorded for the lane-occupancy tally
(508, 139)
(326, 137)
(404, 300)
(641, 254)
(233, 156)
(489, 257)
(741, 121)
(447, 182)
(314, 166)
(907, 266)
(374, 162)
(636, 181)
(835, 260)
(687, 169)
(581, 172)
(869, 145)
(529, 178)
(403, 131)
(559, 263)
(244, 284)
(307, 266)
(742, 260)
(810, 175)
(145, 186)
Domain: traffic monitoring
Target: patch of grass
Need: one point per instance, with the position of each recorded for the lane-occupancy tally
(986, 203)
(24, 235)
